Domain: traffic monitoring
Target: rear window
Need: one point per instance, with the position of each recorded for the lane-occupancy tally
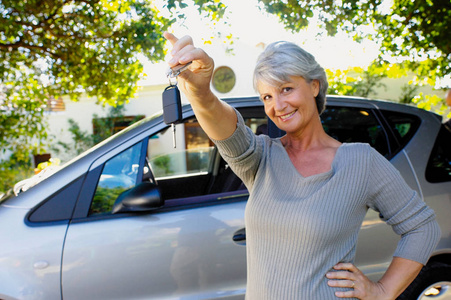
(355, 125)
(439, 164)
(403, 127)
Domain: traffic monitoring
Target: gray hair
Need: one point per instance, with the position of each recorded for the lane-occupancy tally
(281, 60)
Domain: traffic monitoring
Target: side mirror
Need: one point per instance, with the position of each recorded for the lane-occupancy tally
(143, 197)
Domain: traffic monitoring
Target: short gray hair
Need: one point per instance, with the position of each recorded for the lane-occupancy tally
(281, 60)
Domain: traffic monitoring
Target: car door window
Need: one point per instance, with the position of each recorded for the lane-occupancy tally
(194, 167)
(403, 127)
(192, 154)
(439, 164)
(119, 174)
(185, 170)
(353, 124)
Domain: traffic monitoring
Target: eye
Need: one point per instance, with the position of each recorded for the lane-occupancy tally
(286, 89)
(265, 97)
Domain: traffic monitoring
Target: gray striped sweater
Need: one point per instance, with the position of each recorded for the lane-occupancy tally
(298, 228)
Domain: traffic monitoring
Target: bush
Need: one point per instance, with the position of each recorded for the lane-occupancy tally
(14, 170)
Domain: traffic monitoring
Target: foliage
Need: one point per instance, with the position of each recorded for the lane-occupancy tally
(81, 140)
(68, 47)
(14, 170)
(87, 46)
(22, 125)
(432, 103)
(215, 9)
(340, 82)
(104, 199)
(161, 166)
(364, 82)
(413, 33)
(416, 31)
(408, 93)
(369, 79)
(360, 82)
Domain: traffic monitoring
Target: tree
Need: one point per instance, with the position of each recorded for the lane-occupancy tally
(361, 82)
(416, 31)
(50, 48)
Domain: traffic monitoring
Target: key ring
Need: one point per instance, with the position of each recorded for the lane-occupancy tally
(172, 81)
(175, 71)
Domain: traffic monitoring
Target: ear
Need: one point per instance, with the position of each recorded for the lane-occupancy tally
(314, 86)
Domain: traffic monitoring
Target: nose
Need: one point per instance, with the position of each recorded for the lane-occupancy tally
(279, 103)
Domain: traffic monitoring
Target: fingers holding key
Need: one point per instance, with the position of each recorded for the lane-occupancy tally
(177, 43)
(196, 81)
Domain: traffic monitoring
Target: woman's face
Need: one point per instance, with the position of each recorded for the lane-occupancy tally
(291, 105)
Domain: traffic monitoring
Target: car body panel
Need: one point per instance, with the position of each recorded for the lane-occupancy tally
(197, 245)
(30, 257)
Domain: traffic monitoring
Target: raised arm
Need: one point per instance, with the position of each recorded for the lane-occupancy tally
(217, 118)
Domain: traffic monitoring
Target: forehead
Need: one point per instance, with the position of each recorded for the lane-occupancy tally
(264, 86)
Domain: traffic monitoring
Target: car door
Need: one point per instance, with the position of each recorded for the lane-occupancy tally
(185, 249)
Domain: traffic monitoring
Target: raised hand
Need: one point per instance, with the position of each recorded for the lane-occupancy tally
(195, 81)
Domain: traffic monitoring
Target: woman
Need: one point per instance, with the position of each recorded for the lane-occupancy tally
(308, 192)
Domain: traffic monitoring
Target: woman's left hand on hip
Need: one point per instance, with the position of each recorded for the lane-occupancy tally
(349, 276)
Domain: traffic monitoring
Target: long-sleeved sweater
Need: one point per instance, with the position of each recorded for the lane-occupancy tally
(298, 228)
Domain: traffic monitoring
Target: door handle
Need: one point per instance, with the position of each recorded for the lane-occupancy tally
(239, 236)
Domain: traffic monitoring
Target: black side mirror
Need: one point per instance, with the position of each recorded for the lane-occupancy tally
(143, 197)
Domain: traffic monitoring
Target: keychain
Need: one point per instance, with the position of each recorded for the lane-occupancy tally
(172, 104)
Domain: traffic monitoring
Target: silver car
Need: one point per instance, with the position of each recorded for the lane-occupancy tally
(136, 218)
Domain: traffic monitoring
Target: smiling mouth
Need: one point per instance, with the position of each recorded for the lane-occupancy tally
(287, 116)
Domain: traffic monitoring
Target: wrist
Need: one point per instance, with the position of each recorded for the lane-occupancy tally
(388, 294)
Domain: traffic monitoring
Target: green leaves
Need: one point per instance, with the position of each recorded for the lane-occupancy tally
(414, 31)
(62, 47)
(214, 9)
(22, 104)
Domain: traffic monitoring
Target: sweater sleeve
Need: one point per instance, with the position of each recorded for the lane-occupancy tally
(402, 209)
(242, 151)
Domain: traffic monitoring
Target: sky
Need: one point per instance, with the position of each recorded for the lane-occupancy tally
(251, 26)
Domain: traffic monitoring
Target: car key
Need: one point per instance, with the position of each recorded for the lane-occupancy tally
(172, 105)
(172, 108)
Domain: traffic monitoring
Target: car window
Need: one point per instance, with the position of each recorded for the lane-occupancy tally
(192, 154)
(194, 167)
(119, 174)
(350, 125)
(402, 125)
(439, 164)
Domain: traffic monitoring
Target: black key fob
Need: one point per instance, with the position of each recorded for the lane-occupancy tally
(172, 105)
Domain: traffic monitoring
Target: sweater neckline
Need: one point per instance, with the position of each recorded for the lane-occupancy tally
(314, 176)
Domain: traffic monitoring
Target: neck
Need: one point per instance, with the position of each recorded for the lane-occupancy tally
(309, 138)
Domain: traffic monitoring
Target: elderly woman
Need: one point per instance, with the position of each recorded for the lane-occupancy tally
(309, 193)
